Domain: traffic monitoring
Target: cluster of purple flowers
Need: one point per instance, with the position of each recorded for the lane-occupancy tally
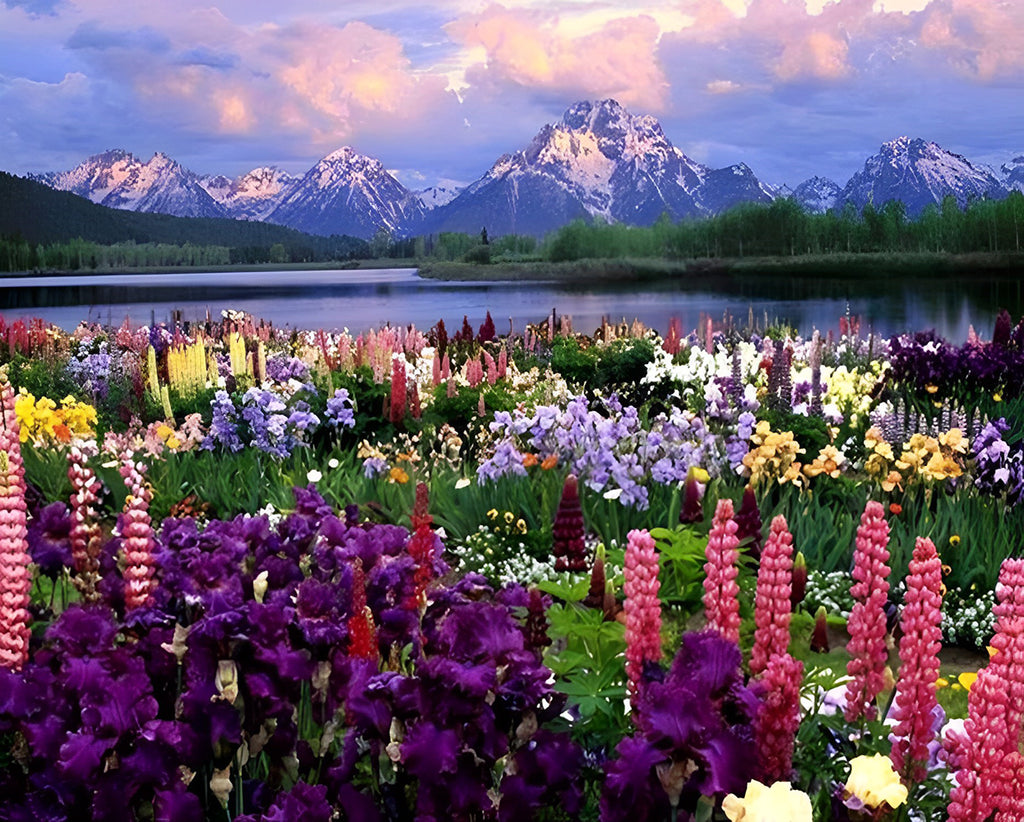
(282, 367)
(240, 687)
(263, 420)
(607, 448)
(92, 370)
(999, 466)
(934, 367)
(340, 411)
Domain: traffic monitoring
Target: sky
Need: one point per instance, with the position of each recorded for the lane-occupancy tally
(438, 91)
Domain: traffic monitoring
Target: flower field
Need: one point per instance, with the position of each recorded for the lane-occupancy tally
(250, 573)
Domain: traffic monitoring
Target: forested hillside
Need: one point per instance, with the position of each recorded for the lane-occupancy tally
(34, 218)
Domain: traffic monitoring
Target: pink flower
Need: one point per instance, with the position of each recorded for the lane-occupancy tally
(642, 606)
(137, 534)
(866, 625)
(777, 721)
(772, 606)
(988, 755)
(919, 669)
(15, 577)
(721, 592)
(398, 390)
(85, 536)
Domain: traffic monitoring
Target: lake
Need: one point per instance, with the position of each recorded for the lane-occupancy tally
(368, 298)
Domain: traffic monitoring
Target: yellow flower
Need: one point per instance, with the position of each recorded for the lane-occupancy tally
(521, 526)
(942, 682)
(509, 517)
(997, 397)
(873, 781)
(967, 679)
(954, 540)
(492, 514)
(931, 388)
(778, 803)
(398, 475)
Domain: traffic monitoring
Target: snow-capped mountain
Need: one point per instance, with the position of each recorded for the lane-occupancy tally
(598, 161)
(1013, 174)
(118, 179)
(817, 195)
(347, 193)
(918, 173)
(252, 196)
(436, 196)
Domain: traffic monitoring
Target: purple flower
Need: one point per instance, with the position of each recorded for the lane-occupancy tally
(340, 411)
(49, 539)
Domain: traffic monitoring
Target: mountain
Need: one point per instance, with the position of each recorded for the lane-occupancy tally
(40, 214)
(817, 195)
(118, 179)
(1013, 174)
(347, 193)
(918, 173)
(252, 196)
(435, 196)
(598, 161)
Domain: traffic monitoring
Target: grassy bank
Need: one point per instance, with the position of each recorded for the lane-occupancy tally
(837, 266)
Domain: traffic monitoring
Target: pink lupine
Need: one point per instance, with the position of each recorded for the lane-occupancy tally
(867, 624)
(137, 535)
(15, 577)
(988, 757)
(772, 607)
(85, 535)
(642, 606)
(721, 592)
(779, 717)
(421, 546)
(398, 390)
(915, 700)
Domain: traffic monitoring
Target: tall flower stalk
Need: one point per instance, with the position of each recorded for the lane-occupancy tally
(642, 607)
(867, 623)
(569, 547)
(721, 591)
(988, 757)
(137, 531)
(779, 717)
(772, 607)
(15, 577)
(915, 700)
(85, 535)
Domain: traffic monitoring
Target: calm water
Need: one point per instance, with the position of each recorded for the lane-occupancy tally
(363, 299)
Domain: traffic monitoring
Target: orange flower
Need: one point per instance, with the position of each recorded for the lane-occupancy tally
(61, 433)
(396, 474)
(549, 462)
(530, 460)
(895, 509)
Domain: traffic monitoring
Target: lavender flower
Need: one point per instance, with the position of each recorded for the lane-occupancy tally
(340, 411)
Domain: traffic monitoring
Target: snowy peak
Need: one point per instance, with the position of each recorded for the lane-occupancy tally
(118, 179)
(919, 173)
(253, 195)
(347, 193)
(1013, 174)
(817, 195)
(436, 196)
(598, 160)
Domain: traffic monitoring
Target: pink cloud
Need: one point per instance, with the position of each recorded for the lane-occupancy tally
(535, 49)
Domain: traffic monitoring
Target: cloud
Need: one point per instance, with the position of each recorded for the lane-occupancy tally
(529, 48)
(93, 36)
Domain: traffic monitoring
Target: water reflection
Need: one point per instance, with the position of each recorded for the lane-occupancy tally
(362, 299)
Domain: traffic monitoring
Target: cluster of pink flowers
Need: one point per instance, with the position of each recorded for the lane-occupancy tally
(721, 591)
(772, 609)
(137, 533)
(642, 606)
(990, 766)
(867, 624)
(779, 717)
(85, 536)
(15, 578)
(915, 700)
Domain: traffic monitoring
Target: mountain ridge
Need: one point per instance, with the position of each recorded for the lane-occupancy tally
(599, 161)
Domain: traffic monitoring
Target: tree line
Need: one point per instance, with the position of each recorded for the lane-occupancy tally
(778, 229)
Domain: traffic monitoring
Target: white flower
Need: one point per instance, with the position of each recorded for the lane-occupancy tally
(614, 493)
(463, 483)
(313, 475)
(333, 463)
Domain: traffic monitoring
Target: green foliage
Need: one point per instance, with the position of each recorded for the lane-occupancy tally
(578, 365)
(681, 559)
(811, 432)
(587, 657)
